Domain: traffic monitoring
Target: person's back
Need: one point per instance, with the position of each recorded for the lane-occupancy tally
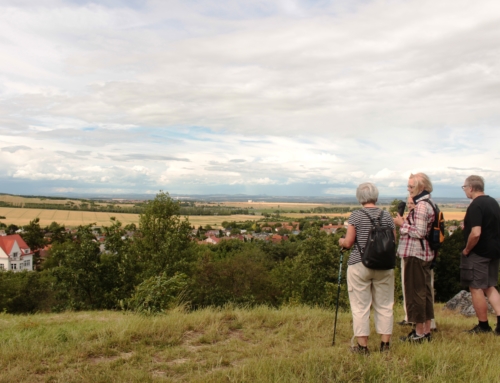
(484, 211)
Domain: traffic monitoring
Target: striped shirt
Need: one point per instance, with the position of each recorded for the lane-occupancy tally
(362, 224)
(415, 229)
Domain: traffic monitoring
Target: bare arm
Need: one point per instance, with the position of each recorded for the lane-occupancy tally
(473, 239)
(349, 239)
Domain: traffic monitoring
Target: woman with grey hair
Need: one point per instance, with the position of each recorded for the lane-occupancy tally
(367, 287)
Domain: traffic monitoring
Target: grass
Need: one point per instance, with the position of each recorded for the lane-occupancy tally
(291, 344)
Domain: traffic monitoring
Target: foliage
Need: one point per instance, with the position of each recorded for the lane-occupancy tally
(243, 277)
(157, 294)
(25, 292)
(447, 269)
(311, 277)
(163, 244)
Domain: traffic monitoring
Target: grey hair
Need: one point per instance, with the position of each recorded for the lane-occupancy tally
(476, 183)
(367, 193)
(422, 182)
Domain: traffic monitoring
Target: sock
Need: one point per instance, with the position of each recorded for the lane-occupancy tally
(384, 344)
(484, 325)
(498, 321)
(363, 347)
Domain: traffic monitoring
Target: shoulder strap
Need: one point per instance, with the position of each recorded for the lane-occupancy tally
(434, 208)
(373, 223)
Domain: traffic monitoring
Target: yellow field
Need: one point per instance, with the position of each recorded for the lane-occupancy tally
(69, 218)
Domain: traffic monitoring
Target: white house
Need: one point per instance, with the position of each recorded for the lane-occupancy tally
(15, 254)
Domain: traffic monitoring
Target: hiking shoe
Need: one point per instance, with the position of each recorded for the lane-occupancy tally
(477, 329)
(497, 330)
(362, 350)
(414, 338)
(405, 338)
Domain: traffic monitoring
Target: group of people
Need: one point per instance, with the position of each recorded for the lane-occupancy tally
(368, 288)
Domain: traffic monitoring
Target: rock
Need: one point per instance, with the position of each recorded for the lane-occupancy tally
(462, 302)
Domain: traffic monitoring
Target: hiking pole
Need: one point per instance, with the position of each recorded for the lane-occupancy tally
(338, 295)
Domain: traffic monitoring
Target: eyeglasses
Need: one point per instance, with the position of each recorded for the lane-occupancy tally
(410, 186)
(465, 186)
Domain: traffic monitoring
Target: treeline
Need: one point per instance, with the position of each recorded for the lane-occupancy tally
(133, 209)
(161, 266)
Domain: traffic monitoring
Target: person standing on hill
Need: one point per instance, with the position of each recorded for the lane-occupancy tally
(479, 263)
(418, 256)
(368, 288)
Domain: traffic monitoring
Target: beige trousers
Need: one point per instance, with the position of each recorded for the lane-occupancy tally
(371, 288)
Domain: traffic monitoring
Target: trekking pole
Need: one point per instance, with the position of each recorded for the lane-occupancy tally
(338, 295)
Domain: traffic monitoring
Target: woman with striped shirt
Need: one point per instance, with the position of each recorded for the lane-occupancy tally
(368, 288)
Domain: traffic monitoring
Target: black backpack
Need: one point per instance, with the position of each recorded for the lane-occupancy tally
(436, 234)
(379, 252)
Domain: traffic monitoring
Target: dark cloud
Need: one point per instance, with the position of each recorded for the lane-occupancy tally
(13, 149)
(147, 157)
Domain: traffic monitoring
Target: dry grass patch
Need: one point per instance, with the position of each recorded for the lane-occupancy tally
(292, 344)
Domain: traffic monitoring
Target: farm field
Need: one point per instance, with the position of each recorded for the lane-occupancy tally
(71, 218)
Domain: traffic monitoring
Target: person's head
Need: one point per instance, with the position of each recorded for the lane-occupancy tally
(473, 184)
(410, 204)
(367, 193)
(419, 182)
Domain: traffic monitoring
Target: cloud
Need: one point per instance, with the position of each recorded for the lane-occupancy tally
(14, 149)
(252, 94)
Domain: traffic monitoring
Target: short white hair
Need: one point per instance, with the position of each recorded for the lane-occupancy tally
(367, 193)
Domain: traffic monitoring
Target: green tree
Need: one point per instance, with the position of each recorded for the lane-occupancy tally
(163, 242)
(34, 237)
(447, 269)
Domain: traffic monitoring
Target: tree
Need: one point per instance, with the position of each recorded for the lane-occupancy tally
(34, 236)
(447, 269)
(163, 243)
(79, 273)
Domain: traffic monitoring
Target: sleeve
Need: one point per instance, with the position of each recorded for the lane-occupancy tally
(475, 215)
(354, 218)
(387, 220)
(418, 228)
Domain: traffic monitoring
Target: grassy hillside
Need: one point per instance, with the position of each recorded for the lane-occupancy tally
(292, 344)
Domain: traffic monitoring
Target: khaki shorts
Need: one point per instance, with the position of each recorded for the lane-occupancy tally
(478, 272)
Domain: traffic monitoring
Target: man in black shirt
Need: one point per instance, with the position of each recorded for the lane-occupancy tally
(480, 258)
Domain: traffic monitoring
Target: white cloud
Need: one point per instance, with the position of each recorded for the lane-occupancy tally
(255, 93)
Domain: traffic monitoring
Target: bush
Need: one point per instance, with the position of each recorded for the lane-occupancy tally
(157, 294)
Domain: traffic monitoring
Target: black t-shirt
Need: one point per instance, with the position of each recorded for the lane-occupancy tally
(484, 211)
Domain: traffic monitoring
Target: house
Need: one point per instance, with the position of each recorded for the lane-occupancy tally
(452, 229)
(15, 254)
(330, 228)
(213, 240)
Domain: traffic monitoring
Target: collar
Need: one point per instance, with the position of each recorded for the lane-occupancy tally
(424, 195)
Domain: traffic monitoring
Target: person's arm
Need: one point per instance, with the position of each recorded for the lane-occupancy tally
(349, 239)
(418, 228)
(472, 240)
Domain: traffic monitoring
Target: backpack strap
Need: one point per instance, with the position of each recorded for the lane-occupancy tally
(435, 216)
(372, 222)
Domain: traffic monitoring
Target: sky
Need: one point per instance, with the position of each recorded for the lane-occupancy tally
(277, 97)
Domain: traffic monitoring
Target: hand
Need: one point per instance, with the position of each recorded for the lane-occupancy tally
(464, 254)
(398, 220)
(341, 242)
